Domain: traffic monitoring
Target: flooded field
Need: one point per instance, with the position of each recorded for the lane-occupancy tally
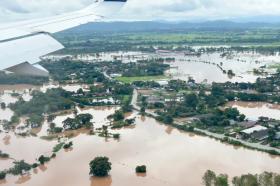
(172, 157)
(207, 68)
(254, 110)
(169, 154)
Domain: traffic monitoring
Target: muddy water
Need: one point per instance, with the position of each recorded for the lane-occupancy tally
(242, 64)
(27, 148)
(206, 73)
(172, 157)
(254, 110)
(99, 115)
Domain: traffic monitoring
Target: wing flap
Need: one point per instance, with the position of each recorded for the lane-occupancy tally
(28, 49)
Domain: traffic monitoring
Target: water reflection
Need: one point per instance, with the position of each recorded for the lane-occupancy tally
(169, 130)
(3, 181)
(95, 181)
(23, 179)
(143, 175)
(7, 139)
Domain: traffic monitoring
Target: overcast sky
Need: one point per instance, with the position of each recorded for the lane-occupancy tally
(189, 10)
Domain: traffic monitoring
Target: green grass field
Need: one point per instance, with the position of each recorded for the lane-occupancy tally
(141, 78)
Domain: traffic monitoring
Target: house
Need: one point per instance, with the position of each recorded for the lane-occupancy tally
(154, 99)
(257, 132)
(277, 136)
(115, 75)
(247, 124)
(162, 82)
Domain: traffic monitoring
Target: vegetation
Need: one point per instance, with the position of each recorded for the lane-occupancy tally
(89, 39)
(2, 175)
(68, 145)
(20, 167)
(3, 105)
(43, 159)
(53, 100)
(66, 70)
(58, 147)
(4, 155)
(80, 121)
(140, 78)
(266, 178)
(100, 166)
(141, 169)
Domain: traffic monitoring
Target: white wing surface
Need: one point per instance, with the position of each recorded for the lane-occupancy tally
(27, 41)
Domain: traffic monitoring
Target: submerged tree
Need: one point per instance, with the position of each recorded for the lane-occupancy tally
(100, 166)
(209, 178)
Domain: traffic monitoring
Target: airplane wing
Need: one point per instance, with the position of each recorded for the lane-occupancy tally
(23, 43)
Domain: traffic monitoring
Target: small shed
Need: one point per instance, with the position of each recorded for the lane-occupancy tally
(257, 132)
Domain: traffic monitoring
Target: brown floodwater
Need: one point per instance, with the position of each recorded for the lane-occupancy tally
(254, 110)
(172, 157)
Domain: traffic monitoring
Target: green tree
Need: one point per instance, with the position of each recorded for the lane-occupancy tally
(142, 110)
(266, 179)
(191, 100)
(245, 180)
(35, 120)
(217, 90)
(209, 178)
(167, 119)
(42, 159)
(19, 168)
(3, 105)
(119, 115)
(100, 166)
(231, 113)
(276, 180)
(70, 123)
(221, 180)
(84, 118)
(2, 175)
(141, 169)
(242, 117)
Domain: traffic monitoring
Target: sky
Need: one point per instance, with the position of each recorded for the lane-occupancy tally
(176, 10)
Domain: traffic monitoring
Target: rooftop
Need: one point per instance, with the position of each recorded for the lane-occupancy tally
(257, 128)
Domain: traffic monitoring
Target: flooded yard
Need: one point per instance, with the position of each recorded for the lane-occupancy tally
(254, 110)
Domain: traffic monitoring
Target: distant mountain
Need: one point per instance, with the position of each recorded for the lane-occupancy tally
(166, 26)
(258, 19)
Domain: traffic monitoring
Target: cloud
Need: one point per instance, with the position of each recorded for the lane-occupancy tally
(146, 9)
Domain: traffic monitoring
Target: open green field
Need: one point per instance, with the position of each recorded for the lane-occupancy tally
(140, 78)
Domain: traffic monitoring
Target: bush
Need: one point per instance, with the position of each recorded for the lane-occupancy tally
(4, 155)
(141, 169)
(100, 166)
(19, 168)
(68, 145)
(35, 165)
(2, 175)
(42, 159)
(58, 147)
(116, 136)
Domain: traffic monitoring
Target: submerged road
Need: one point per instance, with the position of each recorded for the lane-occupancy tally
(209, 134)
